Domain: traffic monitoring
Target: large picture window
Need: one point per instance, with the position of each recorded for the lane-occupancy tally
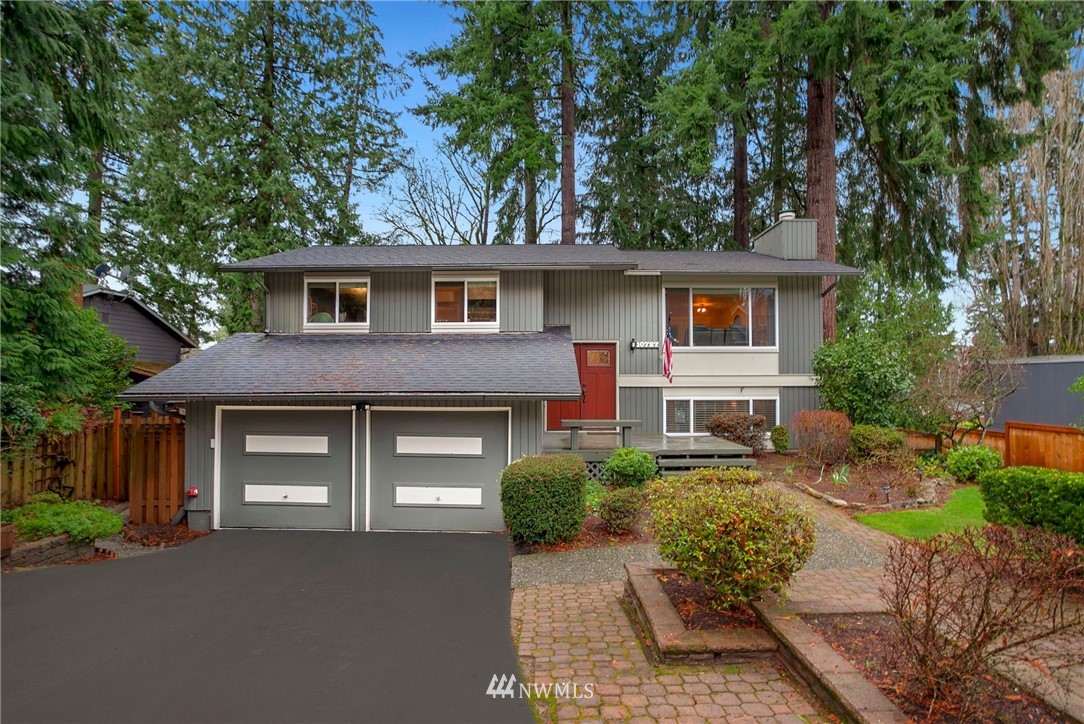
(690, 416)
(465, 302)
(331, 302)
(721, 317)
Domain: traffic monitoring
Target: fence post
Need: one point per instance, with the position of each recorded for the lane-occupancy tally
(136, 478)
(1008, 444)
(116, 452)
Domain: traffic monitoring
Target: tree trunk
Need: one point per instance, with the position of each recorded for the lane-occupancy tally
(741, 184)
(568, 133)
(821, 169)
(778, 139)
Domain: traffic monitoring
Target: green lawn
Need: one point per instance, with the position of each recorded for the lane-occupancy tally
(963, 508)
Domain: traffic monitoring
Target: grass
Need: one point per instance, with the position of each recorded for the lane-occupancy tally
(964, 508)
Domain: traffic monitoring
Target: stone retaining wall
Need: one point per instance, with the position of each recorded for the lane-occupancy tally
(56, 549)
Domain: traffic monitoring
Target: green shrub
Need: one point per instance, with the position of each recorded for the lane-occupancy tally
(870, 443)
(81, 519)
(620, 508)
(629, 466)
(593, 495)
(739, 427)
(738, 539)
(822, 435)
(780, 439)
(968, 462)
(45, 496)
(864, 377)
(1050, 499)
(544, 498)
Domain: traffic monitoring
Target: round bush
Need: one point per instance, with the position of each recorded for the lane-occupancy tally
(742, 428)
(870, 443)
(739, 540)
(82, 520)
(543, 498)
(629, 466)
(967, 463)
(620, 508)
(780, 439)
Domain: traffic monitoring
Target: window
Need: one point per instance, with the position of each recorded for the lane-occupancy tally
(690, 417)
(721, 317)
(333, 302)
(465, 302)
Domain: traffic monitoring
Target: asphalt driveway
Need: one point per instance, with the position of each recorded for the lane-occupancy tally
(265, 626)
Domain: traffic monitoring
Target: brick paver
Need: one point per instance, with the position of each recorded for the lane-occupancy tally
(836, 590)
(579, 634)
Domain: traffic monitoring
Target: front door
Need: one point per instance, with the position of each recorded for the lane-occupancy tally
(597, 364)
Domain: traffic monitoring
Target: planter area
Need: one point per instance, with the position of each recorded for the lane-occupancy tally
(48, 551)
(784, 637)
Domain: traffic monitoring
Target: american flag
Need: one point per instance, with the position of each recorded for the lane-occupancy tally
(668, 354)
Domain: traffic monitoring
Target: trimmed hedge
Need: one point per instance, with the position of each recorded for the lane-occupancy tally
(1050, 499)
(780, 439)
(739, 427)
(968, 462)
(619, 509)
(739, 539)
(544, 498)
(628, 466)
(872, 443)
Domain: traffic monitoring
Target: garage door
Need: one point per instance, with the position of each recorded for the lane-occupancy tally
(437, 470)
(285, 469)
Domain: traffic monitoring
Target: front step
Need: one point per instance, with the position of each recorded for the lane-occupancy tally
(681, 466)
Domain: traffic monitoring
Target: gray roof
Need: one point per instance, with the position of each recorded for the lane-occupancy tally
(535, 256)
(532, 365)
(89, 290)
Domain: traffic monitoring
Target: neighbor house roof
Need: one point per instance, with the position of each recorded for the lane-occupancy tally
(531, 365)
(534, 256)
(90, 290)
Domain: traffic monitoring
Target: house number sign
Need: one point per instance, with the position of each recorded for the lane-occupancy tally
(644, 345)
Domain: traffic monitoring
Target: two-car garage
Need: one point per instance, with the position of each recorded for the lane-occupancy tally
(361, 469)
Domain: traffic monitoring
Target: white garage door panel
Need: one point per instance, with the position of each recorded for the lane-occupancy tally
(286, 444)
(434, 495)
(437, 445)
(287, 494)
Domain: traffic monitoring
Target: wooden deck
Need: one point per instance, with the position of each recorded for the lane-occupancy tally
(596, 446)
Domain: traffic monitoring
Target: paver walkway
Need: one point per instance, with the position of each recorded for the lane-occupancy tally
(579, 634)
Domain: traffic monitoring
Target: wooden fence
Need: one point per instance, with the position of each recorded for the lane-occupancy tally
(137, 459)
(1022, 443)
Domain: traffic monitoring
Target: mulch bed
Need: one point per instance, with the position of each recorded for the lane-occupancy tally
(696, 605)
(864, 482)
(595, 535)
(160, 536)
(864, 640)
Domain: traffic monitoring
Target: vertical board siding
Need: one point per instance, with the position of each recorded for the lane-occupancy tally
(199, 457)
(644, 404)
(521, 301)
(152, 342)
(792, 399)
(792, 239)
(609, 306)
(399, 301)
(800, 328)
(286, 292)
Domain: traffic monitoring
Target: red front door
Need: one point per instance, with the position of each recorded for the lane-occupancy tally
(597, 364)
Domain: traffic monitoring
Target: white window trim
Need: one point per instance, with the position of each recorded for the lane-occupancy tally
(717, 398)
(744, 288)
(336, 326)
(463, 326)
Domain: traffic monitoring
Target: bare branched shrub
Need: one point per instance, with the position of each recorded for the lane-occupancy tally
(967, 602)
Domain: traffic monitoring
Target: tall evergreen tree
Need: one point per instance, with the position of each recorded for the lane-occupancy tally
(262, 120)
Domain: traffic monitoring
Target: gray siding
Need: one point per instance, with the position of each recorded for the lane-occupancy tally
(791, 239)
(152, 343)
(521, 301)
(285, 291)
(1043, 397)
(644, 404)
(526, 437)
(399, 302)
(609, 306)
(792, 399)
(800, 327)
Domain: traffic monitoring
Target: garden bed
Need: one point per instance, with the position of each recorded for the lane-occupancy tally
(595, 535)
(160, 536)
(694, 603)
(864, 641)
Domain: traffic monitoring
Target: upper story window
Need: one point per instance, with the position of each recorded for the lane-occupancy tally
(465, 303)
(336, 303)
(722, 317)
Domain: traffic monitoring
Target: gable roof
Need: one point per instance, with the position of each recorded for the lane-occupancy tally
(89, 290)
(533, 256)
(530, 365)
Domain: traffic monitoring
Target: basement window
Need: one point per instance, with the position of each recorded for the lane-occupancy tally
(690, 416)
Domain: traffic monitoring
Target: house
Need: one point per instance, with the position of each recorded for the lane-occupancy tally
(158, 343)
(393, 383)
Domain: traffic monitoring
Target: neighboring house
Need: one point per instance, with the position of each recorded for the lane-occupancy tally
(158, 343)
(393, 383)
(1043, 395)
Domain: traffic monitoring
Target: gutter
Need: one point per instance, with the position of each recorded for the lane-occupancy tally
(342, 396)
